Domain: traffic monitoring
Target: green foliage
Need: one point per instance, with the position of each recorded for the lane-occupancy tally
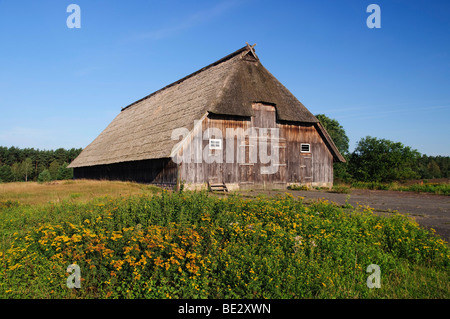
(16, 172)
(341, 189)
(381, 160)
(193, 245)
(336, 132)
(341, 140)
(6, 174)
(423, 187)
(435, 188)
(433, 169)
(20, 171)
(295, 187)
(26, 168)
(8, 204)
(64, 172)
(372, 185)
(182, 186)
(26, 164)
(53, 169)
(433, 166)
(44, 176)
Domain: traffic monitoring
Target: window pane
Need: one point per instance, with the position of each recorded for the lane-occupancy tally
(305, 147)
(215, 144)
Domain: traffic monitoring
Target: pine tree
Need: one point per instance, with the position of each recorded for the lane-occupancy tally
(53, 169)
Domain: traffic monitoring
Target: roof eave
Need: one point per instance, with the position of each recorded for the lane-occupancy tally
(337, 156)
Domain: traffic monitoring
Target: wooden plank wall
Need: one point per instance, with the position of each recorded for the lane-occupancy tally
(320, 158)
(197, 171)
(319, 162)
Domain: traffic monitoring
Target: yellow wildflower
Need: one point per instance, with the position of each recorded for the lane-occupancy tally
(116, 236)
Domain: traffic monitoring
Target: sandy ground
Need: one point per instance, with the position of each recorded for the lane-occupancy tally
(429, 210)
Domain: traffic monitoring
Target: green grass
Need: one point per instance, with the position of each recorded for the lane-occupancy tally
(341, 189)
(434, 188)
(195, 245)
(296, 187)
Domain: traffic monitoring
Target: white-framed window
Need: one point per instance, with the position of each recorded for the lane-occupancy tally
(305, 148)
(215, 144)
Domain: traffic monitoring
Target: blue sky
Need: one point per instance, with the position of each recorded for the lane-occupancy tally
(61, 87)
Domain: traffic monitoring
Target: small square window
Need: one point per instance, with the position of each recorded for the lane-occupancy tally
(215, 144)
(305, 148)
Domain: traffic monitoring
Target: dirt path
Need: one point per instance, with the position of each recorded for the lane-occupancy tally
(428, 210)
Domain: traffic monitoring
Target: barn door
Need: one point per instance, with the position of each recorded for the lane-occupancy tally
(271, 170)
(306, 169)
(214, 170)
(280, 176)
(247, 165)
(214, 160)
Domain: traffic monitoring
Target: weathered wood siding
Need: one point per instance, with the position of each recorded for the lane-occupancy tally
(315, 167)
(293, 166)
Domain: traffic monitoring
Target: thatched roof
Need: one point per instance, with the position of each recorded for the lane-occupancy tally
(143, 129)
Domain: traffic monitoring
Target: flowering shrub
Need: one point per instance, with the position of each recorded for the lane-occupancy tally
(194, 245)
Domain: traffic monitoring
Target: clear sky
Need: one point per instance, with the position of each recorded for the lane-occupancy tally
(60, 87)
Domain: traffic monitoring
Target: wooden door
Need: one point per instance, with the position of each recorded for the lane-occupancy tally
(279, 177)
(306, 169)
(215, 169)
(264, 121)
(247, 163)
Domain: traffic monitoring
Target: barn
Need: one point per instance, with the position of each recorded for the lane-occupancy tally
(231, 123)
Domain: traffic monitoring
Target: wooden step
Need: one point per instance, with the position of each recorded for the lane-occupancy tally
(217, 187)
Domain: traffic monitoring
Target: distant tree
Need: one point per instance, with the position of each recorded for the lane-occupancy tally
(26, 167)
(53, 169)
(72, 154)
(433, 166)
(421, 167)
(64, 172)
(381, 160)
(341, 140)
(3, 152)
(443, 162)
(18, 161)
(12, 155)
(60, 155)
(336, 131)
(44, 176)
(433, 169)
(40, 168)
(6, 174)
(15, 171)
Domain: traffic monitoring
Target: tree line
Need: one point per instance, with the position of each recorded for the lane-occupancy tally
(31, 164)
(381, 160)
(373, 160)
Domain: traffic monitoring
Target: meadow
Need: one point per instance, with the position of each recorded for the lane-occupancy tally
(32, 193)
(433, 187)
(152, 243)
